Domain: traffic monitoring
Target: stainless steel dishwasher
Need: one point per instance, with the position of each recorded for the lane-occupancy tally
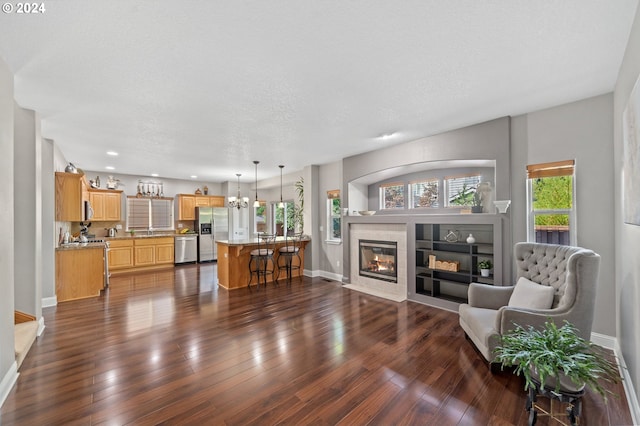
(186, 249)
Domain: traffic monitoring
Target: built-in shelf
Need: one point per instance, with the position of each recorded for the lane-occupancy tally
(433, 240)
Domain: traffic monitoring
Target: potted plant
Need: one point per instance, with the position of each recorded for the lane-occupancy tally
(485, 267)
(557, 359)
(477, 203)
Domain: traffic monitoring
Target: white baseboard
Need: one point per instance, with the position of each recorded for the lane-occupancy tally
(49, 301)
(629, 389)
(311, 274)
(607, 342)
(331, 276)
(9, 379)
(41, 326)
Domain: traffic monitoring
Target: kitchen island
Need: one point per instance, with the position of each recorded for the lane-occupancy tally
(80, 271)
(233, 261)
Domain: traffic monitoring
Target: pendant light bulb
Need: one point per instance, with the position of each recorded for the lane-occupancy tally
(281, 204)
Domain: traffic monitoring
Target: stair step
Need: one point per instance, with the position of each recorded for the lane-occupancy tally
(25, 335)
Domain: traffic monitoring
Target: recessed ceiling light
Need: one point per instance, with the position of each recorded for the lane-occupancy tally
(110, 168)
(194, 177)
(155, 174)
(112, 153)
(386, 136)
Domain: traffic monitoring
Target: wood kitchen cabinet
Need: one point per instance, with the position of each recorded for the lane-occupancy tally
(106, 205)
(209, 201)
(164, 250)
(133, 254)
(120, 255)
(144, 255)
(79, 273)
(71, 192)
(186, 207)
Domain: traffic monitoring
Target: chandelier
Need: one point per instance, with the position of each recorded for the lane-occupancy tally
(238, 202)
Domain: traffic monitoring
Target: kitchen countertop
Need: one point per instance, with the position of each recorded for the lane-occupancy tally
(76, 246)
(252, 241)
(139, 236)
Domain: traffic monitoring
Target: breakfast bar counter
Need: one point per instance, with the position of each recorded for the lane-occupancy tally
(233, 261)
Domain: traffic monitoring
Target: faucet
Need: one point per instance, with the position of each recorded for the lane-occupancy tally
(149, 231)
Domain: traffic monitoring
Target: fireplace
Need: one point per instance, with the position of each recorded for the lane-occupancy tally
(378, 260)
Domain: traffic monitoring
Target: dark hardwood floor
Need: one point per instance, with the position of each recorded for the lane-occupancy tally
(171, 348)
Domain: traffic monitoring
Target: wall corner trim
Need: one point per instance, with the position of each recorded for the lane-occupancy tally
(9, 379)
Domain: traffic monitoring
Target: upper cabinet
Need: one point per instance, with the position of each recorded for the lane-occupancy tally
(187, 204)
(209, 201)
(106, 205)
(186, 207)
(71, 192)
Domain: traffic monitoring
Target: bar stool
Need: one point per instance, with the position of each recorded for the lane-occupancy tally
(288, 252)
(261, 257)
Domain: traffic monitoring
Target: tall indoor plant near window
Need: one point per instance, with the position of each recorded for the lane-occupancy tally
(295, 216)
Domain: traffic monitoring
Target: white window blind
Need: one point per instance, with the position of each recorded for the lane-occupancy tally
(424, 193)
(145, 213)
(461, 189)
(138, 213)
(161, 214)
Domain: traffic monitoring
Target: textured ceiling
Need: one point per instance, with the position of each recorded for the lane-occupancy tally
(183, 88)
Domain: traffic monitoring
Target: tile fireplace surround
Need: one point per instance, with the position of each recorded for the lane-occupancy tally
(379, 232)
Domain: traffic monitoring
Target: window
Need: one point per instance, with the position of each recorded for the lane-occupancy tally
(283, 217)
(260, 218)
(424, 193)
(392, 196)
(150, 213)
(551, 204)
(334, 216)
(461, 190)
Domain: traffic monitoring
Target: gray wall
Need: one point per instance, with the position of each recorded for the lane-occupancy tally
(49, 234)
(582, 131)
(27, 212)
(330, 178)
(484, 141)
(627, 237)
(7, 355)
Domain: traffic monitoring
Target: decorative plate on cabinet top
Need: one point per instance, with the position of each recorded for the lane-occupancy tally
(366, 212)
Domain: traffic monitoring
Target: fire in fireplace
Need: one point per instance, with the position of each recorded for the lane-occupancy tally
(378, 260)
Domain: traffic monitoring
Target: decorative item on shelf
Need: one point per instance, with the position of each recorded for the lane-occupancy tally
(471, 239)
(112, 183)
(97, 181)
(238, 202)
(206, 190)
(71, 168)
(149, 189)
(477, 203)
(452, 236)
(502, 205)
(198, 192)
(366, 212)
(485, 267)
(443, 265)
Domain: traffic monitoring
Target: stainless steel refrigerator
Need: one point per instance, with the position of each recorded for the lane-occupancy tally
(212, 224)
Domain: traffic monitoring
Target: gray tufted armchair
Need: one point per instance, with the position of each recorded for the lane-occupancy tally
(571, 271)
